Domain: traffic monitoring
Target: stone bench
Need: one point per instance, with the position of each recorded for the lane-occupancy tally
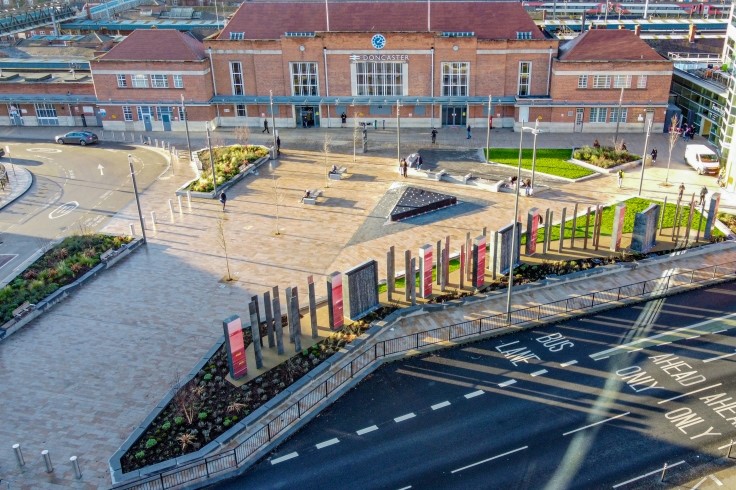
(438, 175)
(338, 174)
(313, 195)
(108, 254)
(23, 309)
(467, 177)
(501, 184)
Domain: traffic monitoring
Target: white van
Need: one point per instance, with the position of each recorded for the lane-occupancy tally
(702, 159)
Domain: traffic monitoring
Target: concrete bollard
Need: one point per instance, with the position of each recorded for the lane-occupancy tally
(664, 470)
(178, 198)
(132, 229)
(47, 461)
(75, 466)
(189, 200)
(156, 141)
(141, 139)
(153, 220)
(19, 455)
(171, 210)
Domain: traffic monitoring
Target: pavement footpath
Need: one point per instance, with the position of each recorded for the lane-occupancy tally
(79, 379)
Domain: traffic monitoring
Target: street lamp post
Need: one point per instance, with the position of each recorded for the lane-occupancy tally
(398, 130)
(488, 133)
(618, 116)
(355, 129)
(186, 124)
(512, 255)
(273, 121)
(137, 199)
(644, 156)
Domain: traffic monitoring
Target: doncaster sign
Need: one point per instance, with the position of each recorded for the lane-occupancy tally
(379, 57)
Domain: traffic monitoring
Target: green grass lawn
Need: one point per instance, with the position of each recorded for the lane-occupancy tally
(401, 281)
(633, 206)
(550, 161)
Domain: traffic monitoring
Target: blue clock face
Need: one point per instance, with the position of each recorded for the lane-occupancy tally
(378, 41)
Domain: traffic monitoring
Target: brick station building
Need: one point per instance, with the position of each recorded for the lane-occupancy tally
(432, 64)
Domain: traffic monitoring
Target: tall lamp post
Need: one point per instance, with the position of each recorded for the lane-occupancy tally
(186, 124)
(618, 115)
(355, 128)
(488, 132)
(644, 155)
(512, 255)
(398, 130)
(137, 199)
(273, 121)
(535, 131)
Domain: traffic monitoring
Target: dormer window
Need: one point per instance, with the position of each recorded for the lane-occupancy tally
(237, 36)
(523, 35)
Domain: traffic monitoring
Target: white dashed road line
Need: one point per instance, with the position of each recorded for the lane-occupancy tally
(440, 405)
(716, 480)
(506, 383)
(405, 488)
(474, 394)
(327, 443)
(720, 331)
(688, 394)
(658, 470)
(284, 458)
(405, 417)
(366, 430)
(597, 423)
(490, 459)
(720, 357)
(538, 373)
(568, 363)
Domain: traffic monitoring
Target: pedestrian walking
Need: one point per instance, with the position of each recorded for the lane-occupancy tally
(265, 127)
(304, 121)
(434, 136)
(691, 132)
(703, 193)
(654, 156)
(469, 135)
(685, 129)
(278, 145)
(620, 178)
(343, 119)
(223, 199)
(682, 191)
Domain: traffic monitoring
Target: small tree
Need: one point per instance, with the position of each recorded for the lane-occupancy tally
(185, 398)
(672, 141)
(242, 135)
(222, 241)
(326, 152)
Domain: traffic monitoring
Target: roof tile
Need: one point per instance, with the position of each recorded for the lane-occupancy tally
(157, 45)
(608, 45)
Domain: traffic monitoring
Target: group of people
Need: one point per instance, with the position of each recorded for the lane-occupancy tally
(687, 132)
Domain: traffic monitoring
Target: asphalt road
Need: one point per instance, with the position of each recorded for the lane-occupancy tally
(75, 189)
(600, 402)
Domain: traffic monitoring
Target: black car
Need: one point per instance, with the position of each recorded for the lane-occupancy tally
(77, 138)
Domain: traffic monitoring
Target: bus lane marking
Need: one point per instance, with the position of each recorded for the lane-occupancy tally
(597, 423)
(718, 358)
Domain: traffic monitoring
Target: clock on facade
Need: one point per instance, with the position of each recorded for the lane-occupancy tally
(378, 41)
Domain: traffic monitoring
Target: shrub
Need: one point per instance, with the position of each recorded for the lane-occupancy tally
(207, 377)
(166, 425)
(202, 415)
(140, 455)
(226, 422)
(151, 442)
(178, 420)
(228, 160)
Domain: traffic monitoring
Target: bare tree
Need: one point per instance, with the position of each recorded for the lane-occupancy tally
(222, 241)
(672, 141)
(185, 397)
(278, 198)
(242, 135)
(327, 153)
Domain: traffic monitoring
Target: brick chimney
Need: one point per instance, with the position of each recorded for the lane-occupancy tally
(637, 30)
(691, 33)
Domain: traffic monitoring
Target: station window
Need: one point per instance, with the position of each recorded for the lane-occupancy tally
(127, 113)
(615, 114)
(455, 79)
(379, 78)
(525, 77)
(139, 81)
(236, 77)
(641, 82)
(159, 81)
(601, 81)
(182, 114)
(583, 81)
(598, 114)
(304, 79)
(122, 81)
(622, 81)
(240, 110)
(178, 81)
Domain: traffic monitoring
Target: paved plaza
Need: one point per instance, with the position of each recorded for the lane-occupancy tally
(79, 379)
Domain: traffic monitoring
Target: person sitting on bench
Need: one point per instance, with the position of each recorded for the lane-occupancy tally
(307, 195)
(333, 170)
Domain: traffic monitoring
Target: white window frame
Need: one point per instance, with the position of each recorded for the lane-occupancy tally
(240, 110)
(122, 81)
(178, 81)
(598, 114)
(621, 81)
(159, 81)
(237, 36)
(601, 81)
(139, 81)
(182, 113)
(614, 113)
(304, 78)
(524, 83)
(583, 81)
(390, 79)
(641, 82)
(127, 113)
(236, 78)
(148, 110)
(455, 78)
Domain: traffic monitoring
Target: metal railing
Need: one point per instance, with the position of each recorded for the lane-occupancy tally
(207, 467)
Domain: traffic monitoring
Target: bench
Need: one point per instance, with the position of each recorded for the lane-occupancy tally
(337, 175)
(438, 175)
(467, 177)
(499, 185)
(23, 309)
(108, 254)
(313, 195)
